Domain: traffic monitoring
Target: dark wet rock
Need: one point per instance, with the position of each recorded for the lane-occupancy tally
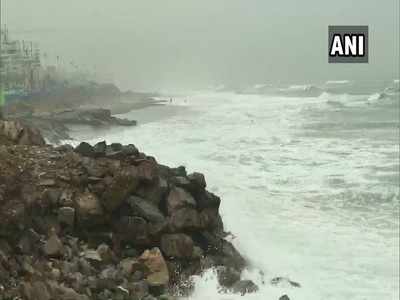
(100, 149)
(181, 182)
(146, 209)
(177, 245)
(285, 281)
(227, 277)
(185, 219)
(85, 149)
(64, 148)
(179, 171)
(198, 180)
(154, 192)
(130, 150)
(210, 219)
(284, 297)
(232, 257)
(208, 200)
(179, 198)
(244, 287)
(120, 186)
(132, 229)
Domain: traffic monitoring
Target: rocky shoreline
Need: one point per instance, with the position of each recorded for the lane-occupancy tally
(105, 222)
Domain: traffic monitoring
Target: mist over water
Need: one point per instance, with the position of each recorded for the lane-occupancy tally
(153, 45)
(309, 183)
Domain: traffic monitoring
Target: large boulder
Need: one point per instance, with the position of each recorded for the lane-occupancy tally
(206, 199)
(179, 198)
(154, 192)
(145, 209)
(121, 186)
(185, 219)
(147, 170)
(157, 270)
(177, 245)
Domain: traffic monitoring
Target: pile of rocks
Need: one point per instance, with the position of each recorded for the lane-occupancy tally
(106, 222)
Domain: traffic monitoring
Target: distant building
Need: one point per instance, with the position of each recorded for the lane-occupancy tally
(20, 68)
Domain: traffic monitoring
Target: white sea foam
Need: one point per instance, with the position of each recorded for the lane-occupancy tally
(333, 82)
(303, 203)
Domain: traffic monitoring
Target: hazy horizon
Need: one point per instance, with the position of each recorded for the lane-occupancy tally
(147, 45)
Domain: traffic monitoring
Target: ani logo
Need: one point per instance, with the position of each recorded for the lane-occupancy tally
(348, 44)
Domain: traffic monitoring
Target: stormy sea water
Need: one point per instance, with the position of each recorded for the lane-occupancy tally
(309, 181)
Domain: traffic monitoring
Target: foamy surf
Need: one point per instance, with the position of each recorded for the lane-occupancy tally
(309, 193)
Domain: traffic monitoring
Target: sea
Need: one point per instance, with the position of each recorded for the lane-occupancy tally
(308, 176)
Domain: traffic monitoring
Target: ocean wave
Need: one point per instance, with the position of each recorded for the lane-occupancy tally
(260, 86)
(377, 96)
(300, 87)
(331, 82)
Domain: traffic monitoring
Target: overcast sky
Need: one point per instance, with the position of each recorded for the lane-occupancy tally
(188, 43)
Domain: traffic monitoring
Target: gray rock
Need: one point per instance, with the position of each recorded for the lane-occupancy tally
(284, 297)
(146, 209)
(177, 245)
